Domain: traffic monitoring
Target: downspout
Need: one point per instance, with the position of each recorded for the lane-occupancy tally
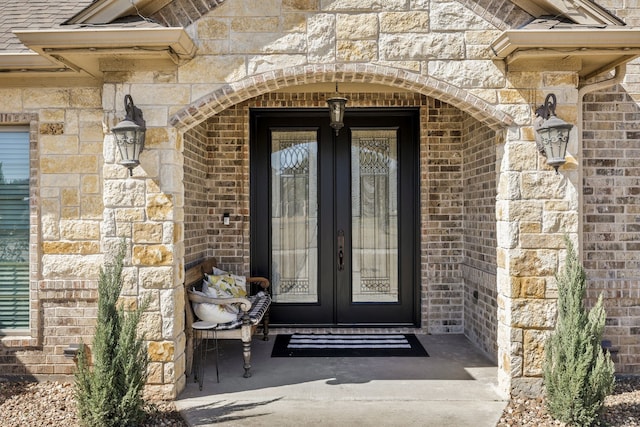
(618, 77)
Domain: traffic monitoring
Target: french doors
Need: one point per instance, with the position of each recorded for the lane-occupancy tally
(334, 218)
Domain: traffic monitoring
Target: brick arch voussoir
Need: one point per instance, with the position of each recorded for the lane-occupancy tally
(234, 93)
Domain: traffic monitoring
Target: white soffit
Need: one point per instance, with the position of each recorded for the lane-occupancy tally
(107, 11)
(82, 49)
(583, 12)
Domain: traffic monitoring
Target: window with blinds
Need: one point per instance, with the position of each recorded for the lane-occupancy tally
(14, 228)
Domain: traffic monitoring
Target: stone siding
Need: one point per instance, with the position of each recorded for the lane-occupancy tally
(477, 151)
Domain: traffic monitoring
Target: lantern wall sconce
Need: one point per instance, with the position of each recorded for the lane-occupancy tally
(129, 135)
(337, 105)
(552, 133)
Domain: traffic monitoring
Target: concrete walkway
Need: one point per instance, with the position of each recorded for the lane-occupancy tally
(455, 386)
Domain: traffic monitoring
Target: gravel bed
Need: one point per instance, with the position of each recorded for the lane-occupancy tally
(32, 404)
(26, 404)
(622, 408)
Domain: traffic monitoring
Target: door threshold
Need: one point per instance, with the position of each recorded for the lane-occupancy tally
(341, 329)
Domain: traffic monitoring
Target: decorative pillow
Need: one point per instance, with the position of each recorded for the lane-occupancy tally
(241, 281)
(229, 284)
(216, 313)
(210, 291)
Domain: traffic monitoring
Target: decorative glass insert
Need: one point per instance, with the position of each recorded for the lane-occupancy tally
(374, 201)
(14, 229)
(294, 216)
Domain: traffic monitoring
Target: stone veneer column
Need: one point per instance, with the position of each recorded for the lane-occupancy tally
(535, 209)
(147, 210)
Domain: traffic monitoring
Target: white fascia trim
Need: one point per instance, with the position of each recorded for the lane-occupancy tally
(26, 61)
(109, 38)
(571, 40)
(106, 11)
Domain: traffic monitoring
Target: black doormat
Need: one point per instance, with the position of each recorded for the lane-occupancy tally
(348, 345)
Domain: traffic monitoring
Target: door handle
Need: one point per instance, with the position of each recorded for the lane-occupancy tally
(340, 250)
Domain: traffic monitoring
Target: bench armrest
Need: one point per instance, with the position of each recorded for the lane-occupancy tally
(245, 304)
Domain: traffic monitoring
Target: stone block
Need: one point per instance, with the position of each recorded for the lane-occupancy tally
(357, 50)
(12, 101)
(543, 185)
(69, 164)
(262, 63)
(61, 266)
(254, 24)
(534, 313)
(151, 326)
(321, 38)
(161, 351)
(155, 372)
(295, 22)
(159, 207)
(363, 26)
(85, 97)
(212, 28)
(301, 5)
(464, 74)
(402, 47)
(532, 262)
(404, 22)
(362, 5)
(213, 69)
(160, 94)
(147, 255)
(124, 193)
(71, 248)
(534, 342)
(79, 230)
(539, 241)
(147, 233)
(451, 16)
(39, 97)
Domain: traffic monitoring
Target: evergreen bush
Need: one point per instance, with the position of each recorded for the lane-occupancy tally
(110, 392)
(578, 373)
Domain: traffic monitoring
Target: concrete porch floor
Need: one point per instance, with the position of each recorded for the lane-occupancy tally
(455, 386)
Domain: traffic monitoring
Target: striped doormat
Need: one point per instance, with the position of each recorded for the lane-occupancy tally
(348, 345)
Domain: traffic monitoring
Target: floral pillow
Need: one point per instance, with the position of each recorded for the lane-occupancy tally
(224, 283)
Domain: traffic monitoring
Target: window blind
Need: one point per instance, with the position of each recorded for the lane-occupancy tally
(14, 229)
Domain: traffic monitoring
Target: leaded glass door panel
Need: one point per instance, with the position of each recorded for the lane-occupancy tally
(334, 218)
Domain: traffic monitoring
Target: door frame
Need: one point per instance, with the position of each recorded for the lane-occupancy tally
(260, 195)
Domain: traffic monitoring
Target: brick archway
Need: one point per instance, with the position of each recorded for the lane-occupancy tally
(233, 93)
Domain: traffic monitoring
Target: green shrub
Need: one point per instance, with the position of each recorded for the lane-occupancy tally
(109, 393)
(578, 373)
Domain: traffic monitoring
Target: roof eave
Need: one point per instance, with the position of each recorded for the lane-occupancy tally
(580, 11)
(600, 50)
(106, 11)
(81, 49)
(23, 61)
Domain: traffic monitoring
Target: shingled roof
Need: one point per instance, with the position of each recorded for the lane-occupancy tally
(33, 15)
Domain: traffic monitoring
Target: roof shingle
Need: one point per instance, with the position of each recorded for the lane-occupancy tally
(33, 15)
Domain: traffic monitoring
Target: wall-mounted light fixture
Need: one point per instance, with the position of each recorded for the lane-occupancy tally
(552, 133)
(129, 135)
(337, 105)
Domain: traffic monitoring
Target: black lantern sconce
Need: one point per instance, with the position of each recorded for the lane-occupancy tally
(129, 135)
(337, 105)
(552, 133)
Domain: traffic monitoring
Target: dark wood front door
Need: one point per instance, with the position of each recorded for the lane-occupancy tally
(334, 218)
